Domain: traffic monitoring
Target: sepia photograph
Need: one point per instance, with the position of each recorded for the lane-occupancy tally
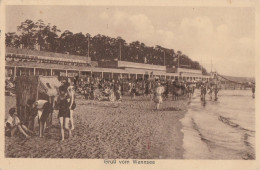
(130, 82)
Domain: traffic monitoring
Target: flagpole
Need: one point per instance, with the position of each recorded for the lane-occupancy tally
(164, 58)
(120, 51)
(178, 60)
(88, 45)
(211, 64)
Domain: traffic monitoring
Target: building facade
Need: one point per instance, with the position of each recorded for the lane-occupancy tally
(30, 62)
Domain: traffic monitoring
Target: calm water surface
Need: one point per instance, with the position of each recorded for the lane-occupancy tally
(223, 129)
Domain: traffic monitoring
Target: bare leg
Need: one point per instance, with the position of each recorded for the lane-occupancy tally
(157, 106)
(22, 131)
(71, 120)
(41, 129)
(27, 130)
(67, 120)
(13, 131)
(61, 119)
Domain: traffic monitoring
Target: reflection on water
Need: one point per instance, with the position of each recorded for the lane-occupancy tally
(222, 129)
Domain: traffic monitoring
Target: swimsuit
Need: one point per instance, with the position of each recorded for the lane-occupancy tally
(64, 110)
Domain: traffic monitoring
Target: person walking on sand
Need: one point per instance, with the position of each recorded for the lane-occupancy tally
(72, 104)
(64, 111)
(159, 89)
(133, 90)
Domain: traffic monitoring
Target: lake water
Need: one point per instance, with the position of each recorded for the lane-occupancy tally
(223, 129)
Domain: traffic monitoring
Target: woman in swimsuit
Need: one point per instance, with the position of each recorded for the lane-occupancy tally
(72, 104)
(64, 111)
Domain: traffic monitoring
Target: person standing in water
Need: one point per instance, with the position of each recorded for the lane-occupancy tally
(210, 91)
(203, 91)
(216, 92)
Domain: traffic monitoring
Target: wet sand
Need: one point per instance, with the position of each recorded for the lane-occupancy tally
(127, 129)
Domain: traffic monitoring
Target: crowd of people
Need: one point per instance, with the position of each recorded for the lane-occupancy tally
(104, 89)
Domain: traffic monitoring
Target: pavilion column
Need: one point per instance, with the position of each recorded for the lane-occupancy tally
(15, 71)
(51, 72)
(66, 73)
(112, 75)
(136, 76)
(34, 71)
(102, 74)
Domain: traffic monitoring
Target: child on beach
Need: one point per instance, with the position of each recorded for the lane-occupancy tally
(64, 111)
(13, 125)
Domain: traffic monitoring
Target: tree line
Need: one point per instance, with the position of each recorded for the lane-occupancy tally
(99, 47)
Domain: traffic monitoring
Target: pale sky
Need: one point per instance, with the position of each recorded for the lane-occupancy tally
(225, 35)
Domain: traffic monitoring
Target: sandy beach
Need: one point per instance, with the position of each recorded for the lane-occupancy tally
(126, 129)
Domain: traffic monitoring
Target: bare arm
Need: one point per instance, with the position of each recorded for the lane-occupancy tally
(72, 99)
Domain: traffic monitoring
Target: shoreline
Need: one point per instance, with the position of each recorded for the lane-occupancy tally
(130, 129)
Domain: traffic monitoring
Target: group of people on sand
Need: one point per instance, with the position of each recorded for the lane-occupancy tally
(89, 87)
(64, 103)
(13, 124)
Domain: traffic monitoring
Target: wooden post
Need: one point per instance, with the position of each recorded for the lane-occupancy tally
(34, 71)
(37, 91)
(51, 71)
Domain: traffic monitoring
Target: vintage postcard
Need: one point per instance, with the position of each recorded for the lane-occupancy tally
(129, 84)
